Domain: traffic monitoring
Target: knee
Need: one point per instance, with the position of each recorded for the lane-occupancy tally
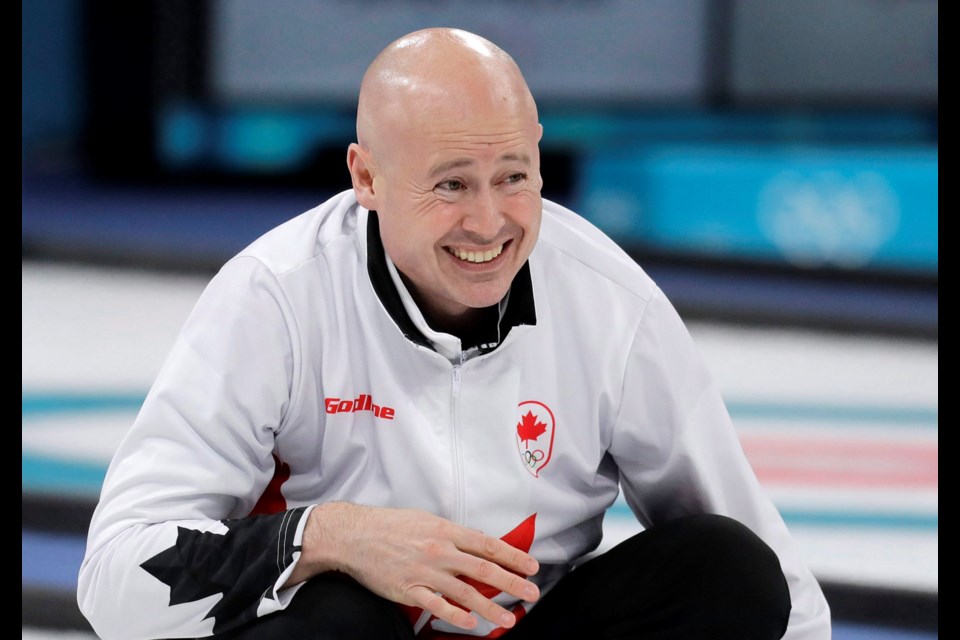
(736, 570)
(731, 549)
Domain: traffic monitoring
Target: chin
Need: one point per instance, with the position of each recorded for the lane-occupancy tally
(480, 300)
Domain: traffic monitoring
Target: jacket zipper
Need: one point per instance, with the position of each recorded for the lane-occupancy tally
(457, 507)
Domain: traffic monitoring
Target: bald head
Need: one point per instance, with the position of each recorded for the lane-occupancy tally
(436, 73)
(448, 157)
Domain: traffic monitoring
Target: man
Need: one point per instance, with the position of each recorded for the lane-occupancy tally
(434, 400)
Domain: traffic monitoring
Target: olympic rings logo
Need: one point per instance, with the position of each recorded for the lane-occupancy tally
(531, 458)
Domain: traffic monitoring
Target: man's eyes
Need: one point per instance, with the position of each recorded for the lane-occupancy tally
(451, 185)
(459, 185)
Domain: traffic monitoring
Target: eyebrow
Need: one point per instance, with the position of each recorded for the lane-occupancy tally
(459, 163)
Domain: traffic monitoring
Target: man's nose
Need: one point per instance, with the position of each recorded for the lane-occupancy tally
(485, 217)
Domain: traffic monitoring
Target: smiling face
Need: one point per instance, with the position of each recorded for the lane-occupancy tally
(452, 166)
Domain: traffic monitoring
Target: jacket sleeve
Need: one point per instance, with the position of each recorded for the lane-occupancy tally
(171, 551)
(678, 454)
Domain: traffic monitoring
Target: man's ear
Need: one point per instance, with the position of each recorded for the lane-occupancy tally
(360, 164)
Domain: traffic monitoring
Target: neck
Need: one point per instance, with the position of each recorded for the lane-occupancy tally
(464, 326)
(464, 322)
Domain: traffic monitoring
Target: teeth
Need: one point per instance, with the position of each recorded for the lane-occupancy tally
(477, 256)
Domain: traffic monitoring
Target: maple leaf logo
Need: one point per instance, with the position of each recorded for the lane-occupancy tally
(535, 434)
(242, 564)
(529, 428)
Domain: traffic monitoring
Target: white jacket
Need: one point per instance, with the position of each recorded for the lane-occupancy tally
(293, 372)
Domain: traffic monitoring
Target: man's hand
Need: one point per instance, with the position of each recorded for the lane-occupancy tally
(416, 558)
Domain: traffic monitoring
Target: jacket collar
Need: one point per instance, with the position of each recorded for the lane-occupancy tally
(516, 309)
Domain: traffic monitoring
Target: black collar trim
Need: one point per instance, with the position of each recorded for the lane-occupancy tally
(521, 309)
(383, 284)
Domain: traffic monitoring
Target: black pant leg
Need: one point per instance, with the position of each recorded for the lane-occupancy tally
(696, 577)
(702, 576)
(330, 606)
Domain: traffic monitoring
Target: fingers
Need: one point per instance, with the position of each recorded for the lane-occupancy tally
(484, 566)
(441, 608)
(490, 579)
(466, 582)
(496, 550)
(472, 582)
(468, 599)
(417, 558)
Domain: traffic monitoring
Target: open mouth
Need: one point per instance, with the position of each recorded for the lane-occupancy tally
(477, 257)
